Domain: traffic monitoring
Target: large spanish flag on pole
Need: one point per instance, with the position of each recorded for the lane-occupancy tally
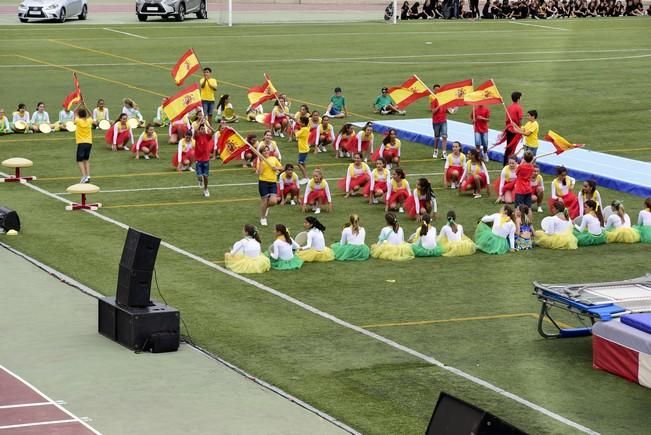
(451, 94)
(230, 144)
(486, 93)
(175, 107)
(560, 143)
(408, 92)
(75, 96)
(259, 94)
(187, 65)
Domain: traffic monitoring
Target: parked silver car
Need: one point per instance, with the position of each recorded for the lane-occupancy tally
(170, 8)
(60, 10)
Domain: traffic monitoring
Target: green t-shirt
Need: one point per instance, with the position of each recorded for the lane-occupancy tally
(382, 100)
(338, 102)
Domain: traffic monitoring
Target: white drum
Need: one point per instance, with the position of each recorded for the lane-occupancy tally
(104, 124)
(301, 238)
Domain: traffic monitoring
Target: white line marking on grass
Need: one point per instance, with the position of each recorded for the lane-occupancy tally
(61, 408)
(40, 423)
(323, 314)
(124, 33)
(502, 62)
(541, 26)
(25, 405)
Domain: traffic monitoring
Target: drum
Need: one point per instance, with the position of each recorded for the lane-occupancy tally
(104, 124)
(229, 114)
(301, 238)
(132, 123)
(547, 224)
(260, 118)
(44, 128)
(70, 126)
(20, 126)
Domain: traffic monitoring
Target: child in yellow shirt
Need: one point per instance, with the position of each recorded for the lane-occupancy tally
(302, 136)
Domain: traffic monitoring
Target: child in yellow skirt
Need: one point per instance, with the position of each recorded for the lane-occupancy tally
(618, 226)
(644, 222)
(391, 244)
(246, 255)
(315, 249)
(452, 240)
(556, 232)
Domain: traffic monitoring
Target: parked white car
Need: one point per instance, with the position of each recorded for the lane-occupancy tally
(170, 8)
(59, 10)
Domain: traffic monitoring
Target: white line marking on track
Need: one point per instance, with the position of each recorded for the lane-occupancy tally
(541, 26)
(124, 33)
(25, 405)
(61, 408)
(40, 423)
(338, 321)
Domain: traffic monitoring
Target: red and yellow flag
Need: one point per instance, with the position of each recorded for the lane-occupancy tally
(451, 94)
(486, 93)
(75, 96)
(259, 94)
(230, 144)
(177, 106)
(187, 65)
(408, 92)
(560, 143)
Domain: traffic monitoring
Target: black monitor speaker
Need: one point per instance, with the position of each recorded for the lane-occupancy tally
(9, 219)
(136, 269)
(453, 416)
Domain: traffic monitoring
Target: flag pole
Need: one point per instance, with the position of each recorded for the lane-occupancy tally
(431, 92)
(260, 156)
(504, 106)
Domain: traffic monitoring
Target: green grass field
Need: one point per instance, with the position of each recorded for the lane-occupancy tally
(585, 78)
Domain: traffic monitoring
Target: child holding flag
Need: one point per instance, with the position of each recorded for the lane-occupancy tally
(84, 140)
(439, 125)
(530, 132)
(512, 121)
(267, 166)
(203, 144)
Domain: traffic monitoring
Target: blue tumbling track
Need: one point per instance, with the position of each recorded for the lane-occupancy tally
(619, 173)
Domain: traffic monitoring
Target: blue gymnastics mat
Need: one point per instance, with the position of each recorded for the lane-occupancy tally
(619, 173)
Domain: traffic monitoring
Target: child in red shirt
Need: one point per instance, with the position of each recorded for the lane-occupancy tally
(523, 174)
(203, 145)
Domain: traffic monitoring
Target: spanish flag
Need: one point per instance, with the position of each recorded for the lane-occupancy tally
(75, 96)
(486, 93)
(177, 106)
(560, 143)
(187, 65)
(408, 92)
(259, 94)
(451, 94)
(230, 145)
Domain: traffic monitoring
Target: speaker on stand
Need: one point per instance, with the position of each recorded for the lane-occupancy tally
(131, 318)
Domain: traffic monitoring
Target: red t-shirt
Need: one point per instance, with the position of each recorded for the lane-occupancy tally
(440, 116)
(515, 112)
(202, 146)
(481, 126)
(523, 178)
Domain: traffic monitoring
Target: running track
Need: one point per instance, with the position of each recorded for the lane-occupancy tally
(24, 410)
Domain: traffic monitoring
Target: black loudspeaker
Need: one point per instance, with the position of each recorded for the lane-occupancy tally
(134, 287)
(453, 416)
(154, 328)
(140, 250)
(9, 219)
(136, 266)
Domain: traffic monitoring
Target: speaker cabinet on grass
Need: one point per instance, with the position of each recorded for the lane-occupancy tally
(9, 219)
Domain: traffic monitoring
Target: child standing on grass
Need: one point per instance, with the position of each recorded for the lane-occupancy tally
(267, 169)
(522, 188)
(337, 106)
(202, 149)
(246, 255)
(351, 247)
(302, 136)
(530, 132)
(480, 116)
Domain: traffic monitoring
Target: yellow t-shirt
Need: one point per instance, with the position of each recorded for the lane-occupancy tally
(84, 133)
(208, 93)
(268, 173)
(302, 136)
(531, 140)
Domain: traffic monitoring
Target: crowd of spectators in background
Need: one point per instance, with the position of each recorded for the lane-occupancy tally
(517, 9)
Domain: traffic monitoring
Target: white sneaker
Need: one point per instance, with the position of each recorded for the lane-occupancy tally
(476, 195)
(206, 193)
(87, 180)
(275, 133)
(323, 149)
(146, 156)
(375, 201)
(389, 166)
(402, 112)
(263, 222)
(453, 186)
(191, 169)
(281, 134)
(435, 155)
(303, 181)
(486, 157)
(539, 210)
(292, 202)
(384, 112)
(444, 155)
(83, 180)
(317, 210)
(401, 210)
